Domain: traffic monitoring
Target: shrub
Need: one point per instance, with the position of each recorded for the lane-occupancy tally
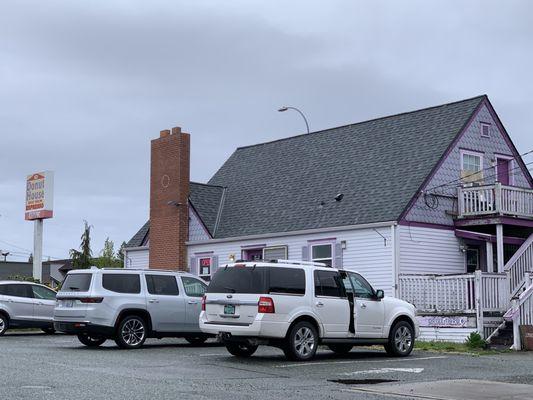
(475, 341)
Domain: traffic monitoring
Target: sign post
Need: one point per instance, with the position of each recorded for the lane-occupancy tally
(39, 206)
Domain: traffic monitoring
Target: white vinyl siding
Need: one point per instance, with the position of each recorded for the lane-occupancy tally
(137, 258)
(365, 251)
(430, 251)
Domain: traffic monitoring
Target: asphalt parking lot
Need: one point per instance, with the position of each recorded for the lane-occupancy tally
(38, 366)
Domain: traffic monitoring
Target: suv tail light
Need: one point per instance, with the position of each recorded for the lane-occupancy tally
(203, 302)
(266, 305)
(91, 299)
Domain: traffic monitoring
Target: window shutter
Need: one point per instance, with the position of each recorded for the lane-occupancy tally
(193, 265)
(214, 265)
(305, 253)
(338, 255)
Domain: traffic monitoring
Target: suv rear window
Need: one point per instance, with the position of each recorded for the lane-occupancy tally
(258, 280)
(76, 283)
(122, 283)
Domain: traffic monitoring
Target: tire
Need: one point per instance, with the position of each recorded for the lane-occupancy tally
(196, 340)
(302, 342)
(401, 340)
(48, 331)
(241, 350)
(4, 324)
(131, 332)
(91, 341)
(341, 348)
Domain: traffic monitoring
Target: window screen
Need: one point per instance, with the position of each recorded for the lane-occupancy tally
(328, 283)
(164, 285)
(275, 253)
(122, 283)
(286, 280)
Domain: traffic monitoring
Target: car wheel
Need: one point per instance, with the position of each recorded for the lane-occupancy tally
(196, 340)
(340, 348)
(302, 342)
(91, 341)
(401, 340)
(241, 349)
(4, 324)
(131, 332)
(48, 331)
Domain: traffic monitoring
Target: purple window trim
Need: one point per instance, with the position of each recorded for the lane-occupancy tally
(476, 152)
(501, 155)
(326, 240)
(451, 146)
(404, 222)
(487, 237)
(253, 246)
(483, 125)
(204, 253)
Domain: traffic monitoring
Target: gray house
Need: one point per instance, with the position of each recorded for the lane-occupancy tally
(434, 206)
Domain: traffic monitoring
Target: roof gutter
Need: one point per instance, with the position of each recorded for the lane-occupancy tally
(296, 233)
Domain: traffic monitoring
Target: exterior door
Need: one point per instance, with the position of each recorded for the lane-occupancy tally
(165, 304)
(194, 290)
(44, 303)
(369, 311)
(331, 304)
(503, 171)
(19, 298)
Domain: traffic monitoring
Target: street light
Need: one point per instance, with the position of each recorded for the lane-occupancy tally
(285, 108)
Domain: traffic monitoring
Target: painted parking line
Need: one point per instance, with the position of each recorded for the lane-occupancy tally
(309, 364)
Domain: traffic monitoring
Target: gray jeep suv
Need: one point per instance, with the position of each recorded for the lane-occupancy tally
(129, 306)
(26, 305)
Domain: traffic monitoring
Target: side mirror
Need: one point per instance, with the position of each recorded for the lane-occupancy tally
(380, 294)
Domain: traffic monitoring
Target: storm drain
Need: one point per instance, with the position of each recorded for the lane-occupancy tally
(362, 381)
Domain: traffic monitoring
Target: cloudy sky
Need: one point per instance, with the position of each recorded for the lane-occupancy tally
(85, 85)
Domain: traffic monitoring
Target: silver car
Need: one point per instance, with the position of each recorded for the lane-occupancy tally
(129, 306)
(26, 305)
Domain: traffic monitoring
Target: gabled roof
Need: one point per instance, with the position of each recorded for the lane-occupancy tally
(290, 184)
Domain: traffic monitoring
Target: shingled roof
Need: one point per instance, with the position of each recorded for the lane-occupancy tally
(290, 184)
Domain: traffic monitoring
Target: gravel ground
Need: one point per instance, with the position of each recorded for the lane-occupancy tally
(59, 367)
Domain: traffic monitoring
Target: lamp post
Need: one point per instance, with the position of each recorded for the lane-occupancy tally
(285, 108)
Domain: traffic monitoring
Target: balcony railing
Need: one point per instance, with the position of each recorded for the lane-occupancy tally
(495, 199)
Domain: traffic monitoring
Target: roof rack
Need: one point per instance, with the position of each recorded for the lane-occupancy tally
(143, 269)
(300, 262)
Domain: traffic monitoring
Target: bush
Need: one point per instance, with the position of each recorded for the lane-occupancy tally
(22, 278)
(475, 341)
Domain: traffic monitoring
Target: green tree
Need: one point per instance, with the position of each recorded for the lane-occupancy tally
(107, 257)
(83, 258)
(120, 253)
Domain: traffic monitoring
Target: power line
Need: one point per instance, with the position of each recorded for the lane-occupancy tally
(27, 250)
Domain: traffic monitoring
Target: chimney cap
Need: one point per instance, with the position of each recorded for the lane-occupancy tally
(176, 130)
(164, 133)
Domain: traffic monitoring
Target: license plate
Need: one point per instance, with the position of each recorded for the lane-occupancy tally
(229, 309)
(69, 303)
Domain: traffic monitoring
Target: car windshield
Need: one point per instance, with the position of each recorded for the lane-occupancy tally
(76, 283)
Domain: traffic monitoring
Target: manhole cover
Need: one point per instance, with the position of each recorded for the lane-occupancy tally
(362, 381)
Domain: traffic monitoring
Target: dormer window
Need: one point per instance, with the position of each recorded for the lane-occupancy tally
(471, 166)
(485, 129)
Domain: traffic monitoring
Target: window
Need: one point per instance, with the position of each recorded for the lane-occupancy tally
(76, 283)
(238, 280)
(43, 293)
(471, 163)
(472, 259)
(17, 290)
(204, 266)
(361, 286)
(193, 287)
(471, 166)
(122, 283)
(275, 253)
(164, 285)
(328, 283)
(485, 129)
(286, 280)
(322, 253)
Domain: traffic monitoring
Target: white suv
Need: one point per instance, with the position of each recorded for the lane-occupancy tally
(129, 305)
(297, 306)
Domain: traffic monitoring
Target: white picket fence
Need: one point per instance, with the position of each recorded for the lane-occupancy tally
(456, 293)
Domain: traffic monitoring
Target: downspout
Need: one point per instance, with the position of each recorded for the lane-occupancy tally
(395, 254)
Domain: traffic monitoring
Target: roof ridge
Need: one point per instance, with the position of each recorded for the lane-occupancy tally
(483, 96)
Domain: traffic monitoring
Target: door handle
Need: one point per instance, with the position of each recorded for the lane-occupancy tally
(319, 304)
(363, 305)
(192, 302)
(153, 301)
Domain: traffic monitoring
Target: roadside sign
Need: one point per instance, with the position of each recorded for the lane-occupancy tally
(39, 195)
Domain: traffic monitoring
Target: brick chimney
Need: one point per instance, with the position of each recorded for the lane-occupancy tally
(169, 193)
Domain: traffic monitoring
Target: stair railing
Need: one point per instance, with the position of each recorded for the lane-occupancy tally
(521, 311)
(519, 265)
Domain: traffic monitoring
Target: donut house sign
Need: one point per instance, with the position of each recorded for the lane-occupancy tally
(39, 195)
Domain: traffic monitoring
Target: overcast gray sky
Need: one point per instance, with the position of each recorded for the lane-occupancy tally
(85, 85)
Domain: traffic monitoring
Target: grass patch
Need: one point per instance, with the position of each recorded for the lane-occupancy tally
(451, 347)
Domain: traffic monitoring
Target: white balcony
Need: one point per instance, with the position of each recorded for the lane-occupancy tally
(495, 199)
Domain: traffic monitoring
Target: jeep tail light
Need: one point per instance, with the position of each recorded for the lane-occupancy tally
(266, 305)
(91, 300)
(203, 302)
